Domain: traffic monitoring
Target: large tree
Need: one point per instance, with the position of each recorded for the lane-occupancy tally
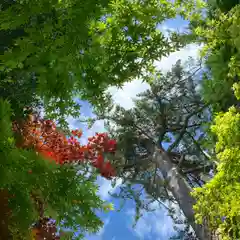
(160, 139)
(220, 76)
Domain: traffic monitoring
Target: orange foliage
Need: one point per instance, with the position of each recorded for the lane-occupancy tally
(47, 140)
(53, 145)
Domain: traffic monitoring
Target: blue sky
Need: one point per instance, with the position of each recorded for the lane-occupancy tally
(118, 225)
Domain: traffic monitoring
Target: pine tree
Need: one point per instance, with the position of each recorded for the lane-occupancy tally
(159, 140)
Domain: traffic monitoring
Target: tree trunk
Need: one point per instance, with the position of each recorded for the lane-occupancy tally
(180, 189)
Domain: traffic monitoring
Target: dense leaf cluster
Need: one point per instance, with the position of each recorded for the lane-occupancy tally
(81, 47)
(218, 200)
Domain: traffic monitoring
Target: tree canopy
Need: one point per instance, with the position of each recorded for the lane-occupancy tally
(184, 126)
(81, 47)
(51, 52)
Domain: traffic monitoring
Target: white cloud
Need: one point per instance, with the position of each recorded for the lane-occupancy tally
(106, 186)
(129, 90)
(166, 63)
(165, 29)
(124, 96)
(97, 127)
(155, 223)
(71, 122)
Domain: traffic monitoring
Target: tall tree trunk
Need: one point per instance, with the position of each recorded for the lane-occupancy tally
(180, 189)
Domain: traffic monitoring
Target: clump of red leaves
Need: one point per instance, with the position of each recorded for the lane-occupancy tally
(47, 140)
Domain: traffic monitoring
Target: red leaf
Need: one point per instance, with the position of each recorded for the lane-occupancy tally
(53, 145)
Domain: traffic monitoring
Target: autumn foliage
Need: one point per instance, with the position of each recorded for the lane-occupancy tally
(48, 141)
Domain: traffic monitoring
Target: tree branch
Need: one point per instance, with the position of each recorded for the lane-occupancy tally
(179, 138)
(197, 145)
(177, 128)
(198, 169)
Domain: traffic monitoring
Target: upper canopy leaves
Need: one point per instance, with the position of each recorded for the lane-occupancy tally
(81, 47)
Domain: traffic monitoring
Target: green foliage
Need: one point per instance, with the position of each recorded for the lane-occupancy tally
(220, 34)
(52, 51)
(190, 9)
(219, 198)
(236, 88)
(224, 5)
(20, 94)
(71, 48)
(69, 196)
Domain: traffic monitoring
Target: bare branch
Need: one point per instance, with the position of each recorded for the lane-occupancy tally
(198, 169)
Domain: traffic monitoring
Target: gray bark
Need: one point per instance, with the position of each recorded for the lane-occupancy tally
(180, 189)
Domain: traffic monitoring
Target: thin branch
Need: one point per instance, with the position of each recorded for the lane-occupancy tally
(197, 180)
(198, 169)
(179, 138)
(144, 133)
(177, 128)
(163, 204)
(197, 145)
(180, 162)
(155, 172)
(138, 128)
